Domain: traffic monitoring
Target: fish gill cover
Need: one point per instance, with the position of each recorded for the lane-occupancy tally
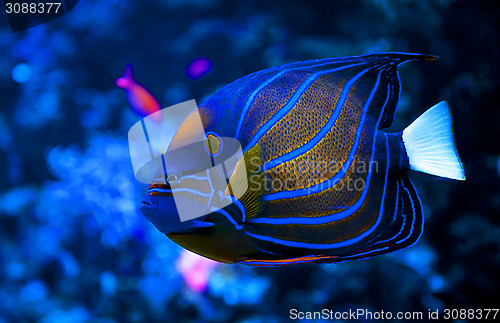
(74, 246)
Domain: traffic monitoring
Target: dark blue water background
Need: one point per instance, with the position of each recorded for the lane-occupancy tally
(75, 248)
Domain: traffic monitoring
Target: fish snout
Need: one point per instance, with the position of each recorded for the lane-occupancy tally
(148, 208)
(161, 211)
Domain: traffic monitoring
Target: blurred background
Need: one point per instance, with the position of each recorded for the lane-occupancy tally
(74, 246)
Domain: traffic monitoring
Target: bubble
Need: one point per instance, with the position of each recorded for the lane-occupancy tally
(16, 200)
(33, 291)
(108, 283)
(436, 283)
(22, 73)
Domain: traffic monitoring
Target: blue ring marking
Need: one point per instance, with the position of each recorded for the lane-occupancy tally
(404, 222)
(397, 203)
(251, 98)
(413, 220)
(330, 182)
(172, 172)
(300, 65)
(268, 252)
(327, 127)
(296, 65)
(242, 209)
(422, 215)
(366, 253)
(273, 78)
(399, 90)
(290, 104)
(220, 142)
(159, 190)
(394, 219)
(334, 245)
(331, 217)
(229, 218)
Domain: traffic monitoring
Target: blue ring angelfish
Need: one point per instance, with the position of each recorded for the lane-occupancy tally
(324, 181)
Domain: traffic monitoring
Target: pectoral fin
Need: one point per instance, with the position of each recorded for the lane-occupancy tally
(246, 182)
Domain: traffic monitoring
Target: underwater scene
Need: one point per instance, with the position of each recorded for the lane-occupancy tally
(142, 144)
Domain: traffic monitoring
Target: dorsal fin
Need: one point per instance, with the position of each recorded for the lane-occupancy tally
(347, 67)
(392, 81)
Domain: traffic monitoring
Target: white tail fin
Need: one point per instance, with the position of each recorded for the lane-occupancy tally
(429, 144)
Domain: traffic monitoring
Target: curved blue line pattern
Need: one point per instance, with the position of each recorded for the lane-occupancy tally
(326, 128)
(160, 190)
(421, 215)
(413, 220)
(285, 69)
(350, 158)
(290, 104)
(331, 217)
(251, 98)
(242, 209)
(395, 213)
(230, 219)
(345, 243)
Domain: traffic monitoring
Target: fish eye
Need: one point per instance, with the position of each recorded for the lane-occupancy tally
(173, 177)
(213, 144)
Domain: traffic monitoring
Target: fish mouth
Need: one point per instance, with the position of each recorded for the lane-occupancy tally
(147, 206)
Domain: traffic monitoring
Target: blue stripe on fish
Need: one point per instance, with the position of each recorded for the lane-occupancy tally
(394, 219)
(290, 104)
(413, 191)
(328, 218)
(160, 190)
(327, 127)
(229, 218)
(416, 213)
(347, 258)
(242, 209)
(413, 220)
(345, 243)
(337, 177)
(267, 251)
(250, 100)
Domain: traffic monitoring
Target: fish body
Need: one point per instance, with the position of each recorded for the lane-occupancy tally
(325, 182)
(140, 99)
